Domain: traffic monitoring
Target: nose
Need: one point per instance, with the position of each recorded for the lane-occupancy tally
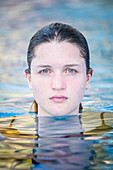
(58, 82)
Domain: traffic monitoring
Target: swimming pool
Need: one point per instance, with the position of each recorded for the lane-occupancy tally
(81, 142)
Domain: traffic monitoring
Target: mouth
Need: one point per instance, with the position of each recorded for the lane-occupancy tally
(58, 99)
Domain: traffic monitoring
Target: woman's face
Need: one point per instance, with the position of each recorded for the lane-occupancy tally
(58, 78)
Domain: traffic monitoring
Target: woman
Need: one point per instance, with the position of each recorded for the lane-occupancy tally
(58, 69)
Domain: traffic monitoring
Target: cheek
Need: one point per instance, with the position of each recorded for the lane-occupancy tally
(39, 86)
(77, 86)
(78, 82)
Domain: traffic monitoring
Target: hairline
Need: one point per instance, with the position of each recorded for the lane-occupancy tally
(58, 41)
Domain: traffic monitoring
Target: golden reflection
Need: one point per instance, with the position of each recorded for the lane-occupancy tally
(23, 148)
(93, 124)
(16, 147)
(34, 107)
(15, 133)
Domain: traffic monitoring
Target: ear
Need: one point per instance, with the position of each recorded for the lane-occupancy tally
(28, 76)
(90, 72)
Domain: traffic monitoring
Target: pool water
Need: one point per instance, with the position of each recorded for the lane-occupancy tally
(21, 19)
(73, 142)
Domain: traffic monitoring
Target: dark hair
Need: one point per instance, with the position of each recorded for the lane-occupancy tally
(59, 32)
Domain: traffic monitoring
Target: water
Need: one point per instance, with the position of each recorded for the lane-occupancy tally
(20, 20)
(71, 142)
(66, 143)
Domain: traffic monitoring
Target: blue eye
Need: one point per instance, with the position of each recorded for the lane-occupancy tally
(44, 71)
(71, 70)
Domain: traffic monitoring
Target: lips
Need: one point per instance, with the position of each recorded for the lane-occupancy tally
(58, 99)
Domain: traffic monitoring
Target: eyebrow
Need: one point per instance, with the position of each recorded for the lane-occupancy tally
(72, 65)
(69, 65)
(43, 66)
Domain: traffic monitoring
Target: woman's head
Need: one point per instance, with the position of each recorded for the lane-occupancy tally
(58, 69)
(59, 32)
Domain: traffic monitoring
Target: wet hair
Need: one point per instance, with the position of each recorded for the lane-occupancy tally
(59, 32)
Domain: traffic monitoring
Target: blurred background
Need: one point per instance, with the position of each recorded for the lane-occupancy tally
(19, 20)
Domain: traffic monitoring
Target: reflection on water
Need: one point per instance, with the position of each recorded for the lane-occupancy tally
(70, 142)
(21, 19)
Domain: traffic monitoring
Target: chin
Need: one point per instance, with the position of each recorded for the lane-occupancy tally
(54, 113)
(58, 111)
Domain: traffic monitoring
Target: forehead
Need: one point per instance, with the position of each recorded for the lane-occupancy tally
(58, 53)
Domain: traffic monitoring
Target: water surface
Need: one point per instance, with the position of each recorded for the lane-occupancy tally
(70, 142)
(21, 19)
